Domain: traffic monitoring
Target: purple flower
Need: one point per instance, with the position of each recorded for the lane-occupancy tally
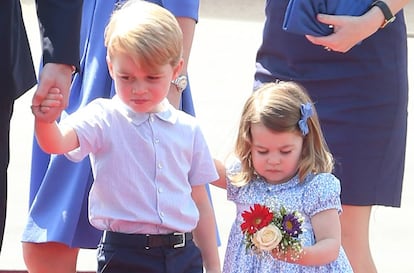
(291, 225)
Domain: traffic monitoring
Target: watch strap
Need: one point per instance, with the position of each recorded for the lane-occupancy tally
(389, 17)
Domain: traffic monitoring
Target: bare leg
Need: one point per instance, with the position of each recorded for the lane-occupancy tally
(355, 237)
(50, 257)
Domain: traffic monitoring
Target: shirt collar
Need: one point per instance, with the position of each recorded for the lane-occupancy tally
(167, 113)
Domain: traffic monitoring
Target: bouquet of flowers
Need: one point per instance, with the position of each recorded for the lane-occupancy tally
(266, 230)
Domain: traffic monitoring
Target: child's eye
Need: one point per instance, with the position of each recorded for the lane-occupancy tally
(285, 152)
(125, 77)
(154, 78)
(262, 152)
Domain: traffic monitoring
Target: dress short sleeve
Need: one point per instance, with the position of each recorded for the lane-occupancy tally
(232, 168)
(183, 8)
(322, 192)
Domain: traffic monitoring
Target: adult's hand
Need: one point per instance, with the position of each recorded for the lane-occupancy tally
(348, 31)
(52, 76)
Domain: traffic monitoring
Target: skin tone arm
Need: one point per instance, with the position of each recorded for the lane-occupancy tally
(52, 138)
(204, 233)
(347, 29)
(327, 231)
(187, 27)
(221, 170)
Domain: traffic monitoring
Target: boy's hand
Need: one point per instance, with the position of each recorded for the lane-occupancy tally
(50, 108)
(53, 75)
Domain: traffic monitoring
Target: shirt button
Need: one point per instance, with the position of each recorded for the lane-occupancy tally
(159, 166)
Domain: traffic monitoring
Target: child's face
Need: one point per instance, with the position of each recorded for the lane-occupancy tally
(275, 155)
(140, 89)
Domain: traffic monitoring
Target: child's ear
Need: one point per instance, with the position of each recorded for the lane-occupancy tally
(110, 67)
(178, 68)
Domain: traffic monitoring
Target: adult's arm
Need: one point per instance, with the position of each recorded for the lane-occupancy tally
(186, 12)
(59, 22)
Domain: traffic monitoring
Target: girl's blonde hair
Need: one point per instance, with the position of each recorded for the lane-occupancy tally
(278, 107)
(147, 32)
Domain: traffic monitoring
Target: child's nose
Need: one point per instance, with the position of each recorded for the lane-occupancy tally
(273, 159)
(138, 88)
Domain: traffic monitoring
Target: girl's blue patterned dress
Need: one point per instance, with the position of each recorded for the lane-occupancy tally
(315, 194)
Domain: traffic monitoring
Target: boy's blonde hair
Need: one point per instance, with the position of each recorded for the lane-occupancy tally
(147, 32)
(278, 107)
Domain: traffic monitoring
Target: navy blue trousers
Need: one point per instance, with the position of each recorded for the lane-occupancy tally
(117, 257)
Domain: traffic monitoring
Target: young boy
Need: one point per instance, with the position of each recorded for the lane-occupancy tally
(150, 161)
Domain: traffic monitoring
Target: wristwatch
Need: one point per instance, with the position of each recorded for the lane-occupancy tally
(389, 17)
(180, 82)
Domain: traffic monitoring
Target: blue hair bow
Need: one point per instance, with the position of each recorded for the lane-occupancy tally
(306, 112)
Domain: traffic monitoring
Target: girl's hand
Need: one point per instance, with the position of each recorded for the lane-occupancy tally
(287, 256)
(348, 31)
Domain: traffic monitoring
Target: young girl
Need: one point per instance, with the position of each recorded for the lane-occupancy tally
(150, 161)
(282, 158)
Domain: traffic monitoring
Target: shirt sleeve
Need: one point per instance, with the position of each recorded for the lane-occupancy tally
(203, 169)
(60, 22)
(183, 8)
(233, 167)
(89, 124)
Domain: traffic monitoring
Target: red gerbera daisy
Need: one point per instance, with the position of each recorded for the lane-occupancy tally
(258, 217)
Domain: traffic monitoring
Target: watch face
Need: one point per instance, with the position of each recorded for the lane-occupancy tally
(181, 82)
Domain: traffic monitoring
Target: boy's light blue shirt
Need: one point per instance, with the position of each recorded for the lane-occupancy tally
(144, 165)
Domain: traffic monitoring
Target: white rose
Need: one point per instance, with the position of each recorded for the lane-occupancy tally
(267, 238)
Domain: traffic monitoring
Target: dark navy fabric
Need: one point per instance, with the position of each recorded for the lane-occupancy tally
(119, 258)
